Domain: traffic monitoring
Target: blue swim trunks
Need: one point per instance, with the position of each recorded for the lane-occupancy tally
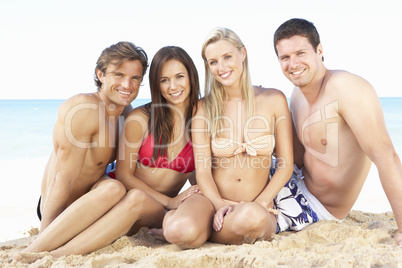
(110, 167)
(297, 207)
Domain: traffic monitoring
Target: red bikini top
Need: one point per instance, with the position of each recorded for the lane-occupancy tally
(184, 162)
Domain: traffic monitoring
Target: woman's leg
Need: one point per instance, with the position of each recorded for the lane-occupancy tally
(245, 224)
(135, 207)
(190, 225)
(79, 215)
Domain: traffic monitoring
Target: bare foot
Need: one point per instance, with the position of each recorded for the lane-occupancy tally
(158, 234)
(28, 257)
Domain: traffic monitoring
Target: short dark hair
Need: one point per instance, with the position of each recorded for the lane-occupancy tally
(300, 27)
(116, 55)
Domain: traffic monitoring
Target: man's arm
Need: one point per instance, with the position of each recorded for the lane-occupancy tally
(134, 130)
(69, 158)
(366, 119)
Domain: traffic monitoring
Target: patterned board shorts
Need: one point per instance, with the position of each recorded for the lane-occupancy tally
(297, 207)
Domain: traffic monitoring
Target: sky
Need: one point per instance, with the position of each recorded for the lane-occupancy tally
(48, 48)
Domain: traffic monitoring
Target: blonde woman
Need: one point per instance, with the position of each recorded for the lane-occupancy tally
(235, 131)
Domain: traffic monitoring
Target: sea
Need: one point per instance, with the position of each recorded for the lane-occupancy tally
(26, 143)
(27, 126)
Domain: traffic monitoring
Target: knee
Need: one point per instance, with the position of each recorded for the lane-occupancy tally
(183, 232)
(136, 196)
(250, 219)
(135, 199)
(113, 190)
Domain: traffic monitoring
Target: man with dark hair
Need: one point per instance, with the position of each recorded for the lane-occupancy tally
(85, 136)
(339, 128)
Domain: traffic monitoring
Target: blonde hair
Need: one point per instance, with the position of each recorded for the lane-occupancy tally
(215, 94)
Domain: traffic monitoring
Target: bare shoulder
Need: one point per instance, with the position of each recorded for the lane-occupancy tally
(270, 96)
(338, 75)
(138, 118)
(346, 83)
(136, 123)
(78, 115)
(353, 93)
(140, 111)
(83, 98)
(80, 102)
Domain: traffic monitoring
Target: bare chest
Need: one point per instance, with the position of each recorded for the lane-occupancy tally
(319, 129)
(103, 146)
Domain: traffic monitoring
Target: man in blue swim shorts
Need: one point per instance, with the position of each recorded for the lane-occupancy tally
(339, 130)
(297, 207)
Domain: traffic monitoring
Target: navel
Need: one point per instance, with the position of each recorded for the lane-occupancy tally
(238, 180)
(324, 142)
(100, 163)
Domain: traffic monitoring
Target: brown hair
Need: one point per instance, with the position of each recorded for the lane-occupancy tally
(161, 122)
(116, 55)
(300, 27)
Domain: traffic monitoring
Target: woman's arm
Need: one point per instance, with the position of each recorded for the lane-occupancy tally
(134, 130)
(284, 148)
(202, 157)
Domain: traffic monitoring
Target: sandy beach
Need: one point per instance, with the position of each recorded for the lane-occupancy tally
(361, 240)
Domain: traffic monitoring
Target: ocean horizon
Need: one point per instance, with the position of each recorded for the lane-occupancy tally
(27, 125)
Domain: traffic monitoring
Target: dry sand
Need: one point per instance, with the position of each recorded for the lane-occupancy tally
(361, 240)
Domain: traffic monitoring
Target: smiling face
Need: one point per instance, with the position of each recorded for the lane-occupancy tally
(175, 83)
(121, 85)
(299, 61)
(225, 62)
